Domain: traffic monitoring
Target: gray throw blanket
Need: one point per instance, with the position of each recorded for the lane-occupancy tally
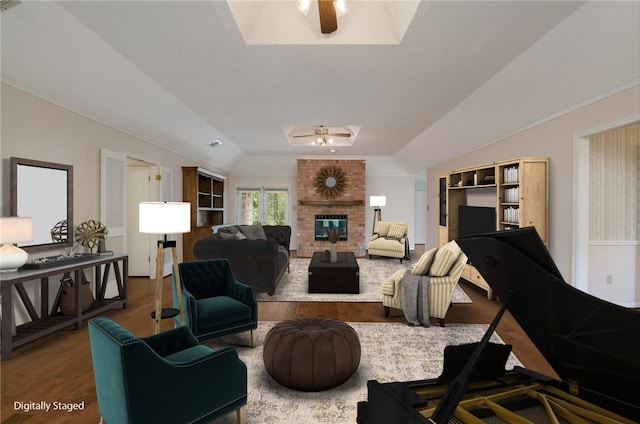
(415, 299)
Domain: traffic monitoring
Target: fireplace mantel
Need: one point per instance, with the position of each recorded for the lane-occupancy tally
(331, 202)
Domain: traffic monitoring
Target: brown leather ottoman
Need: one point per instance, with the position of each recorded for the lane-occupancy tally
(311, 354)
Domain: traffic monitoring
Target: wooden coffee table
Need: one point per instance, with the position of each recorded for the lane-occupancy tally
(342, 276)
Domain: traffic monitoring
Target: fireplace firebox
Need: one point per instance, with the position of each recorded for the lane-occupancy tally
(324, 223)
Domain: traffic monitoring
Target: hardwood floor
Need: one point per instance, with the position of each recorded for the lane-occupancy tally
(58, 368)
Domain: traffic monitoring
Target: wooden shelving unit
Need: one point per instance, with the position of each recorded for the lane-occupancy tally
(521, 188)
(205, 191)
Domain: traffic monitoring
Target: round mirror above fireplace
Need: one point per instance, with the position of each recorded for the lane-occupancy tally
(330, 181)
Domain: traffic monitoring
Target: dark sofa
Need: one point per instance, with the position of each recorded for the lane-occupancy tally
(258, 254)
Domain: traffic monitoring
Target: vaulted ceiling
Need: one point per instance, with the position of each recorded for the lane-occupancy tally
(450, 76)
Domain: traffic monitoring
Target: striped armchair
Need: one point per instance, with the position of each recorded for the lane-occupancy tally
(444, 267)
(390, 240)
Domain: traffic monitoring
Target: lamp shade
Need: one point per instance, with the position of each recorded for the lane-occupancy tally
(15, 229)
(164, 217)
(377, 201)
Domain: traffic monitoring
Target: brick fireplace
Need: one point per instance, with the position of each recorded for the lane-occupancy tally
(312, 202)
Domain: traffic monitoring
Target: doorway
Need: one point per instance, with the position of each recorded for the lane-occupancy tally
(606, 226)
(141, 187)
(126, 181)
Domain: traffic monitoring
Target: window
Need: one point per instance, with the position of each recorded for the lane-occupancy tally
(263, 205)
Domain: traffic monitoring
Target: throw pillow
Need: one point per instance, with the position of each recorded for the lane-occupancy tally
(382, 228)
(232, 229)
(424, 263)
(445, 257)
(396, 230)
(253, 232)
(239, 236)
(226, 236)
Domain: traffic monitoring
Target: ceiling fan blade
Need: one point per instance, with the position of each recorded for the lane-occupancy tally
(303, 135)
(340, 134)
(328, 19)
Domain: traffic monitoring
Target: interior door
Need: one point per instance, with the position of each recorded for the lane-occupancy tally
(140, 188)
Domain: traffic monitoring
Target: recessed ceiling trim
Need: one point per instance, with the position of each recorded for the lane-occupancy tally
(367, 23)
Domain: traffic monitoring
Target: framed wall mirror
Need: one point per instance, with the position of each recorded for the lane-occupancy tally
(44, 192)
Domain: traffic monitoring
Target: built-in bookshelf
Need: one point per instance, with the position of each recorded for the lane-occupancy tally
(521, 188)
(205, 191)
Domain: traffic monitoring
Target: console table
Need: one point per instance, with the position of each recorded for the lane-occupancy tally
(47, 321)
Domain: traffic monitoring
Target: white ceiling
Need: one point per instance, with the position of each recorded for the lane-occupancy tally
(180, 74)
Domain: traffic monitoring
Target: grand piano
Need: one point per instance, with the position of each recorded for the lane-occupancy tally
(593, 345)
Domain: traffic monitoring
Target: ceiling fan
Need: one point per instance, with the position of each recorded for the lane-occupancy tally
(323, 136)
(328, 10)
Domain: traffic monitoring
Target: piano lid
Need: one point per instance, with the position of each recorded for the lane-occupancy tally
(585, 339)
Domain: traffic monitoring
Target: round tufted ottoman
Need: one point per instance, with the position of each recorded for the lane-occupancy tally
(311, 354)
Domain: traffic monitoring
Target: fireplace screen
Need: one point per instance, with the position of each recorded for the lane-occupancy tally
(325, 222)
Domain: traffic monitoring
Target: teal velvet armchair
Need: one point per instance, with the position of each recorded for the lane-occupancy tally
(165, 378)
(214, 302)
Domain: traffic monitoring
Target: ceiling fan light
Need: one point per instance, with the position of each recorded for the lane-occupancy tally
(303, 6)
(330, 141)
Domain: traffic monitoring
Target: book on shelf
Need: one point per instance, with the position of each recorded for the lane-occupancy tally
(511, 214)
(511, 195)
(511, 175)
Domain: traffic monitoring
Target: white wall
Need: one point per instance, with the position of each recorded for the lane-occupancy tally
(400, 192)
(420, 234)
(613, 271)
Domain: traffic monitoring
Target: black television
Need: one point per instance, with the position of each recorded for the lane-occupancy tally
(474, 220)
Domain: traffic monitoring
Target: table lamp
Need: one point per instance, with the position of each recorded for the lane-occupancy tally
(377, 202)
(14, 229)
(165, 218)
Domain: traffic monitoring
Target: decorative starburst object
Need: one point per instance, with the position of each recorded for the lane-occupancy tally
(90, 233)
(330, 181)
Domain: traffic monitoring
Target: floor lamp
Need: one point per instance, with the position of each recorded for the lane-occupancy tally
(165, 218)
(377, 202)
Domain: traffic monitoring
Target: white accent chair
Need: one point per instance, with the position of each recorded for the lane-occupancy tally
(390, 240)
(444, 267)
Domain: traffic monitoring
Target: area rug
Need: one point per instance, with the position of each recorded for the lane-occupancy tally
(403, 354)
(294, 285)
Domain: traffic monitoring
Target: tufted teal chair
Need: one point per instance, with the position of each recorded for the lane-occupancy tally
(164, 378)
(215, 303)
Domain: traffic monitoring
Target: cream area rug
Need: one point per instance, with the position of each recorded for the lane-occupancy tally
(389, 352)
(294, 285)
